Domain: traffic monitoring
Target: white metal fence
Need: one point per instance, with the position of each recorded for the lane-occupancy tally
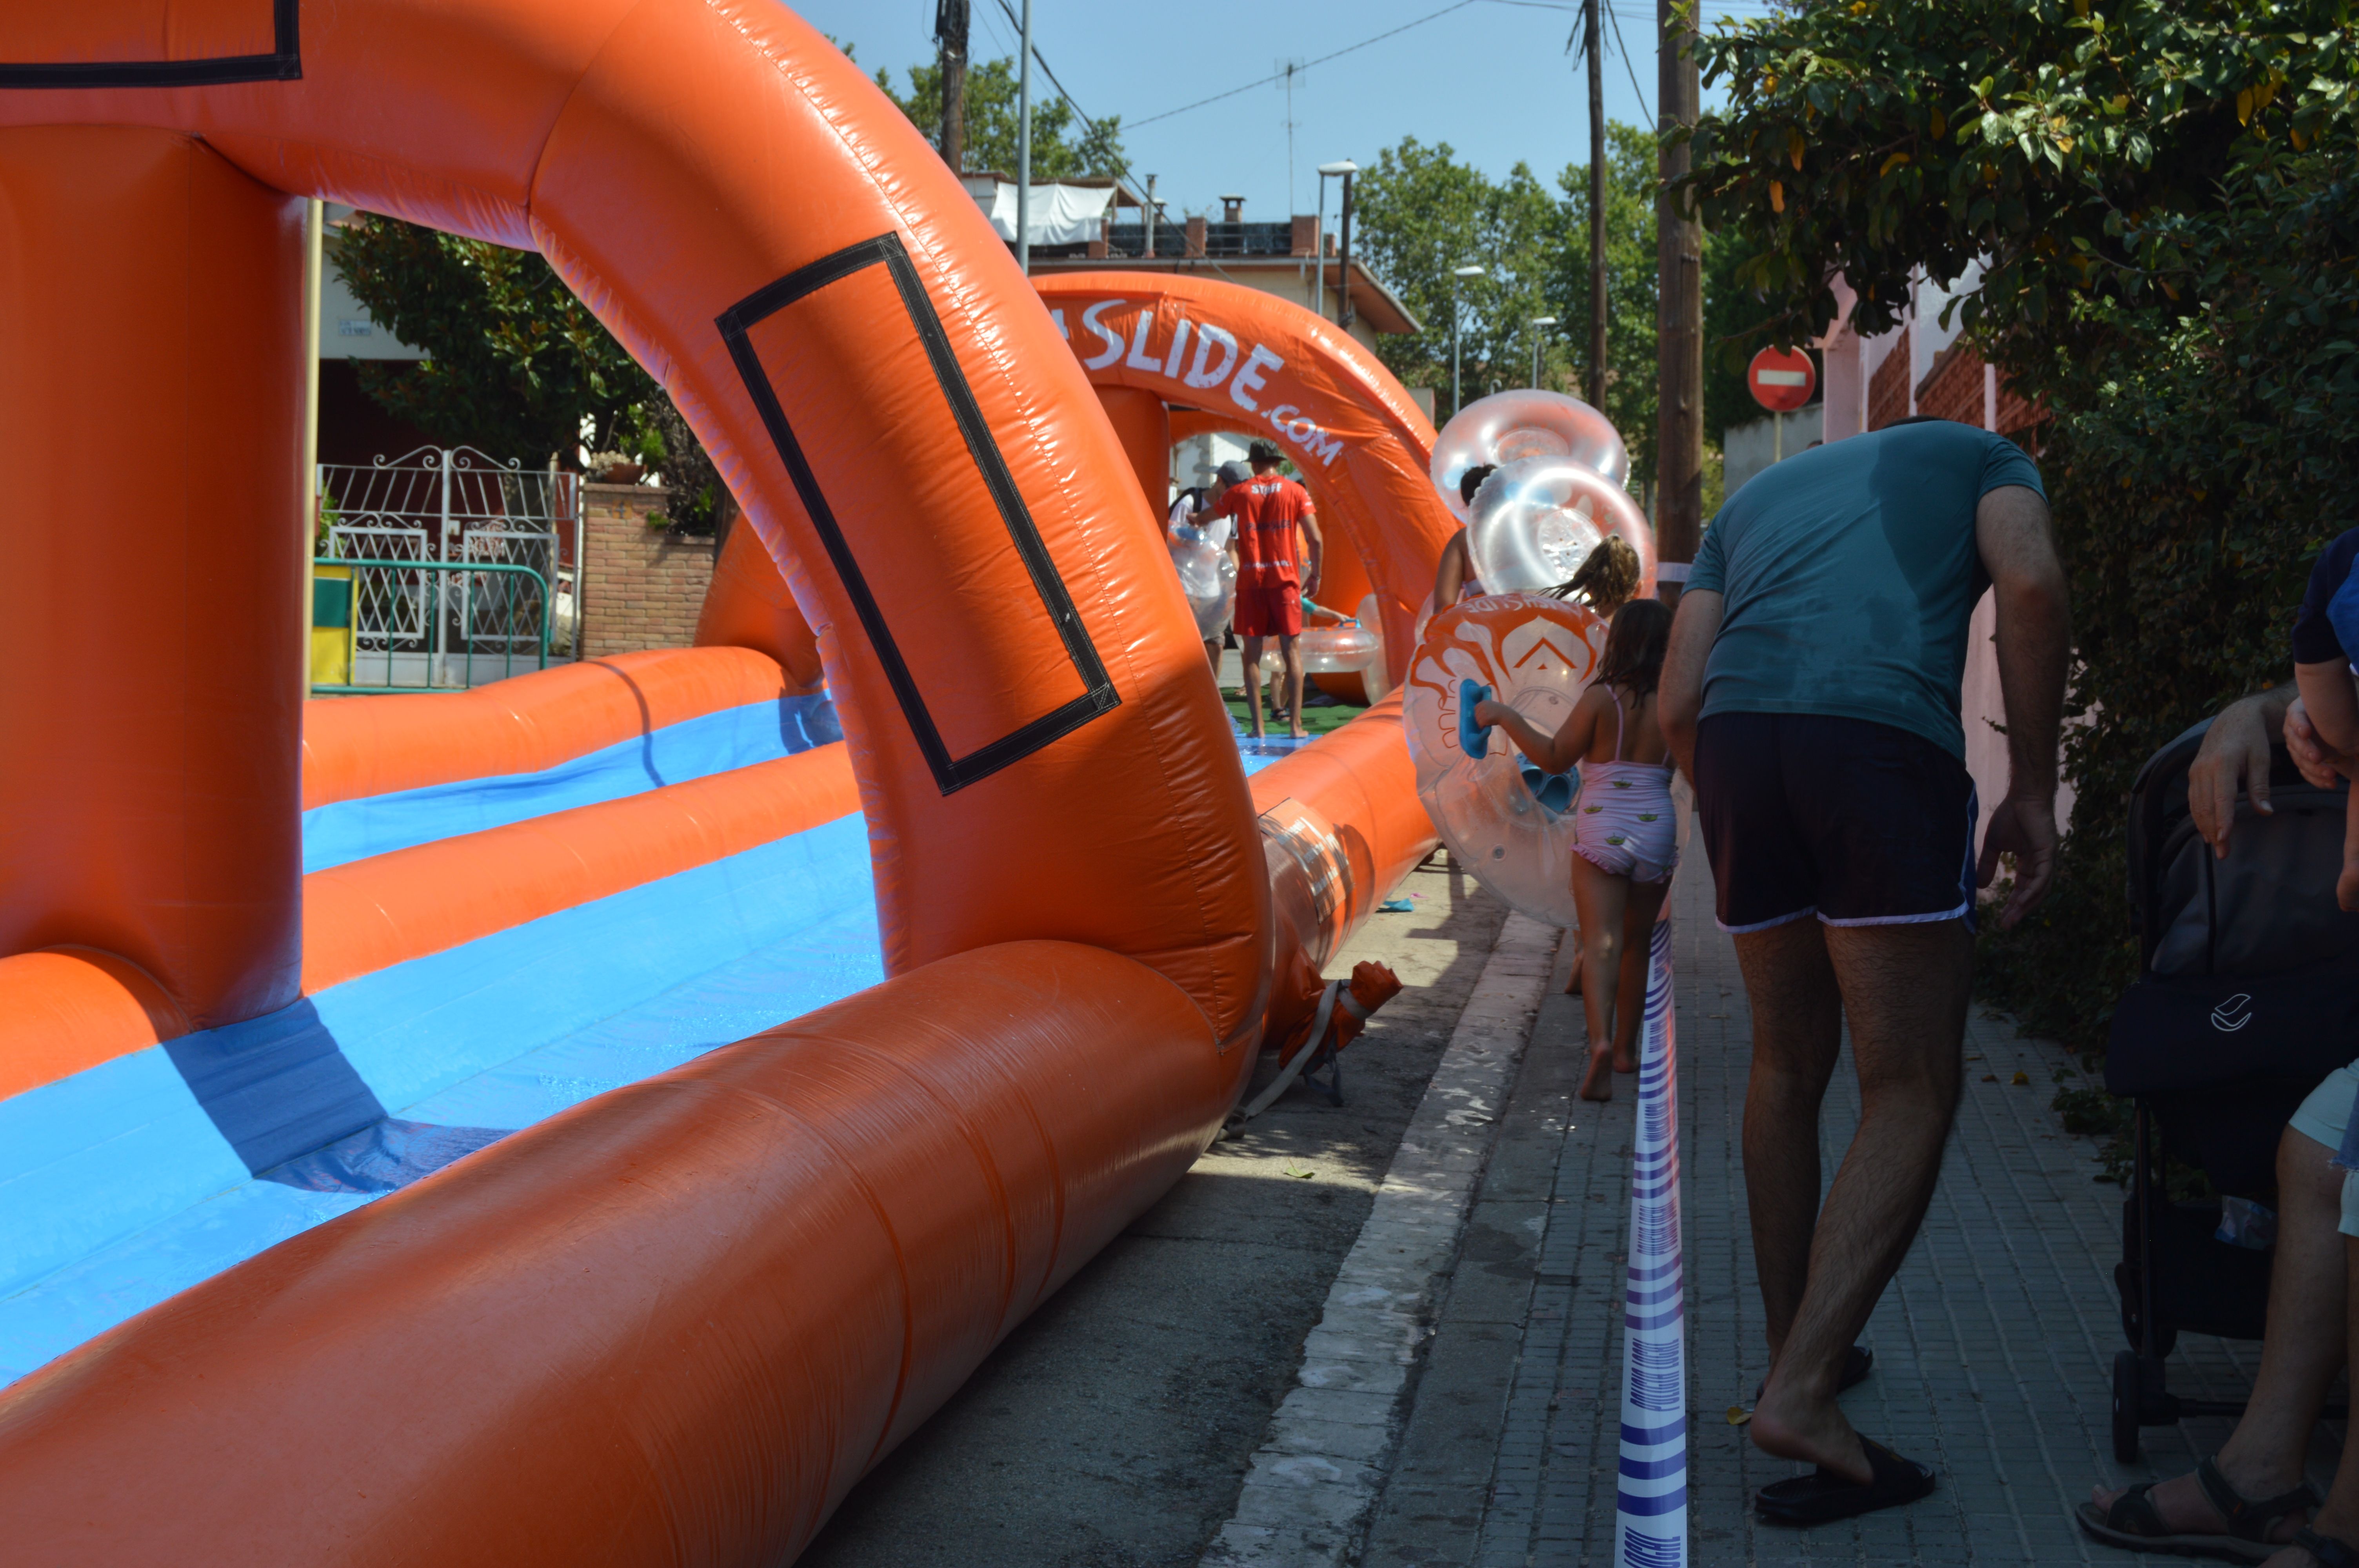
(440, 630)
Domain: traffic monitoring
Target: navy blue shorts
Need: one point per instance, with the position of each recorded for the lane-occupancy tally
(1858, 822)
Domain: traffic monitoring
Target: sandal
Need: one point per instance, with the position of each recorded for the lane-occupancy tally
(2330, 1551)
(2135, 1524)
(1822, 1497)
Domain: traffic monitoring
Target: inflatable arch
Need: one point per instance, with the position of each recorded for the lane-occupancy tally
(1223, 357)
(677, 1322)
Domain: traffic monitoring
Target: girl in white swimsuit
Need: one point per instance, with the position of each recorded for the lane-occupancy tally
(1627, 830)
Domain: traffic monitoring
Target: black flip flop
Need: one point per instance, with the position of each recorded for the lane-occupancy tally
(1822, 1497)
(1857, 1362)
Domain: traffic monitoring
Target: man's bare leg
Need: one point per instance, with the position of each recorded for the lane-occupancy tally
(2263, 1458)
(1797, 1036)
(1290, 651)
(2339, 1520)
(1904, 989)
(1250, 651)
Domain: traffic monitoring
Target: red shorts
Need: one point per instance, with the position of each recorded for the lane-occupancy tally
(1268, 611)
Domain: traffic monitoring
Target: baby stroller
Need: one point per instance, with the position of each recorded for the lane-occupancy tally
(2248, 995)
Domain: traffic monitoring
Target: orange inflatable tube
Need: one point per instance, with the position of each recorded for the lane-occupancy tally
(1255, 362)
(371, 914)
(672, 1325)
(748, 605)
(355, 747)
(679, 1321)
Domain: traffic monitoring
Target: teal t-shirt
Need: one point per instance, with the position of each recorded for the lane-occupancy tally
(1848, 574)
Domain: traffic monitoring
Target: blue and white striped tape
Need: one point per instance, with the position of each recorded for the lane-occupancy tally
(1650, 1527)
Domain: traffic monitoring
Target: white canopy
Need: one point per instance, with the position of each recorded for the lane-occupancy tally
(1060, 215)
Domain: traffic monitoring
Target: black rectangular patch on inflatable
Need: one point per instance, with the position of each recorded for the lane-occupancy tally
(283, 63)
(950, 773)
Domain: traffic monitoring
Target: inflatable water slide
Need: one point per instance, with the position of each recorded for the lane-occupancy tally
(596, 1117)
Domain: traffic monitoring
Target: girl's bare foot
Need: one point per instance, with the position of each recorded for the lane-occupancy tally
(1598, 1082)
(1626, 1061)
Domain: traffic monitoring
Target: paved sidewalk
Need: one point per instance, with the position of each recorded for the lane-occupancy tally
(1992, 1347)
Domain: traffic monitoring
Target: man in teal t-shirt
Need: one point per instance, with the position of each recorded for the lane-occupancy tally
(1812, 695)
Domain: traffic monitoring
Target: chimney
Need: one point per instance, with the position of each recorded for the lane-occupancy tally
(1195, 246)
(1304, 240)
(1232, 208)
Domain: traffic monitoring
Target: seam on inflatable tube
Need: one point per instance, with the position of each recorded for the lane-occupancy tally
(955, 1115)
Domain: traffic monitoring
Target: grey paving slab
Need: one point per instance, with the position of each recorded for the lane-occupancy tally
(1994, 1344)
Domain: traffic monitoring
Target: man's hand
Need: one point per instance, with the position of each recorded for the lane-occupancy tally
(2234, 756)
(2024, 826)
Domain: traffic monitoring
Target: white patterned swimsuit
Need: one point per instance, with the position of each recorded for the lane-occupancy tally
(1623, 820)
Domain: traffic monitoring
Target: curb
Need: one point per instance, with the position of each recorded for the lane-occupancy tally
(1315, 1479)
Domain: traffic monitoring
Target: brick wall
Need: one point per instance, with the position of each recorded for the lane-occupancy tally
(642, 589)
(1953, 389)
(2017, 413)
(1888, 389)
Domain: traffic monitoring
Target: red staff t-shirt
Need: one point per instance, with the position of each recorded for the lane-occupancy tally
(1269, 509)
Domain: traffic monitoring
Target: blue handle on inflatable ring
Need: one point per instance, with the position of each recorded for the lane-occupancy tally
(1474, 740)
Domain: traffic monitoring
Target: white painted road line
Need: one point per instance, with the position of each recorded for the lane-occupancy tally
(1315, 1479)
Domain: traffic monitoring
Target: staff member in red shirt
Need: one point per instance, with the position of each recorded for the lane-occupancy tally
(1271, 584)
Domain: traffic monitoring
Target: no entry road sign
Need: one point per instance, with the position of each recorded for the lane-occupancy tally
(1782, 379)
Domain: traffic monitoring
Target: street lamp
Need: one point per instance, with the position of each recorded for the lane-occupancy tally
(1455, 274)
(1538, 322)
(1344, 170)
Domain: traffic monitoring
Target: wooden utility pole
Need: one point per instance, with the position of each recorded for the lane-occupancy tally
(1596, 209)
(950, 32)
(1678, 321)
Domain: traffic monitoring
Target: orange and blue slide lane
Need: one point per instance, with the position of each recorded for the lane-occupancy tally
(132, 1180)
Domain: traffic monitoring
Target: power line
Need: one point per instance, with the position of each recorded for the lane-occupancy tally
(1754, 7)
(1082, 114)
(1322, 59)
(1623, 49)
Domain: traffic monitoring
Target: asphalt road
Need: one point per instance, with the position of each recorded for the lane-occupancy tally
(1113, 1428)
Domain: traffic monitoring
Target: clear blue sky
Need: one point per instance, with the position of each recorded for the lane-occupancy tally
(1492, 77)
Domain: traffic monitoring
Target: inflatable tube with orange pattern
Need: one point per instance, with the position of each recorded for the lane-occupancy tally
(1285, 373)
(687, 1316)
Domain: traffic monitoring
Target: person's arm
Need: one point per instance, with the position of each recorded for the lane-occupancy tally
(1551, 754)
(1450, 575)
(2234, 756)
(1316, 548)
(2323, 769)
(2018, 542)
(2331, 699)
(1695, 626)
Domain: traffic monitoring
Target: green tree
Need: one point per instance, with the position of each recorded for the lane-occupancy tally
(1421, 213)
(2050, 143)
(516, 365)
(1061, 146)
